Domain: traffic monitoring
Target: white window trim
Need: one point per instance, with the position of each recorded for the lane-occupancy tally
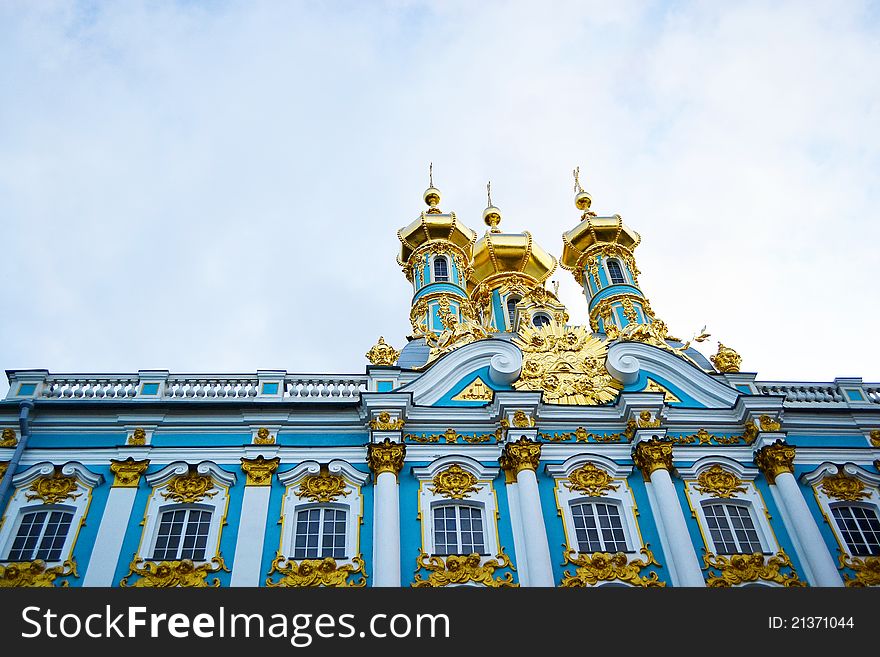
(622, 498)
(484, 499)
(19, 505)
(448, 269)
(826, 503)
(511, 322)
(352, 504)
(157, 504)
(751, 499)
(623, 270)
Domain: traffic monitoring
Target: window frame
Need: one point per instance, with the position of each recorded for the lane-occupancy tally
(322, 508)
(727, 504)
(458, 505)
(188, 508)
(593, 501)
(850, 505)
(544, 316)
(510, 314)
(434, 262)
(606, 263)
(19, 520)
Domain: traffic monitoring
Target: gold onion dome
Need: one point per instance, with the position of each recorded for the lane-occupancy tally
(593, 231)
(433, 225)
(497, 255)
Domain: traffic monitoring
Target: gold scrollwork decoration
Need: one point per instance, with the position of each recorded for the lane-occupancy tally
(259, 471)
(523, 454)
(34, 574)
(769, 424)
(867, 571)
(463, 569)
(7, 438)
(703, 437)
(323, 487)
(137, 438)
(189, 488)
(842, 486)
(383, 422)
(450, 436)
(726, 360)
(386, 456)
(263, 437)
(741, 568)
(590, 569)
(54, 488)
(776, 459)
(324, 572)
(590, 480)
(127, 473)
(718, 482)
(170, 574)
(382, 353)
(454, 483)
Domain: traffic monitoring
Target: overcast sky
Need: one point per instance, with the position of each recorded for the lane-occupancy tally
(216, 186)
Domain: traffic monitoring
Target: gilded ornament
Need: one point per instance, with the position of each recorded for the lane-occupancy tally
(4, 465)
(726, 360)
(259, 470)
(384, 422)
(655, 334)
(263, 437)
(189, 488)
(524, 454)
(127, 473)
(34, 574)
(703, 437)
(590, 569)
(316, 572)
(386, 456)
(645, 421)
(875, 437)
(54, 488)
(718, 482)
(323, 487)
(454, 483)
(867, 570)
(769, 424)
(629, 310)
(590, 480)
(566, 363)
(7, 438)
(463, 569)
(653, 454)
(776, 459)
(137, 437)
(477, 390)
(450, 436)
(629, 432)
(522, 420)
(668, 395)
(456, 332)
(170, 574)
(842, 486)
(382, 353)
(750, 433)
(741, 568)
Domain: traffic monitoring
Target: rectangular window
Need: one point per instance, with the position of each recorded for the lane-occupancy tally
(41, 535)
(183, 534)
(598, 528)
(320, 532)
(458, 529)
(860, 529)
(731, 529)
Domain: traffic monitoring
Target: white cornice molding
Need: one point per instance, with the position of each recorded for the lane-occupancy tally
(336, 466)
(45, 468)
(743, 472)
(179, 468)
(828, 468)
(616, 470)
(473, 466)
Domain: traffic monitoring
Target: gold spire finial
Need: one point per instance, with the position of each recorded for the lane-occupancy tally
(582, 200)
(432, 194)
(491, 215)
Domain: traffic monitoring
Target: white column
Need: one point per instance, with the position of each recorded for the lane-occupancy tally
(516, 525)
(386, 461)
(114, 522)
(248, 560)
(654, 458)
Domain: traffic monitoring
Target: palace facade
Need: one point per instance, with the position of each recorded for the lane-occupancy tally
(505, 444)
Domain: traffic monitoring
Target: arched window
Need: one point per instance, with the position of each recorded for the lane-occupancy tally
(458, 529)
(731, 528)
(320, 532)
(859, 527)
(511, 311)
(598, 527)
(615, 271)
(540, 319)
(41, 535)
(182, 534)
(441, 269)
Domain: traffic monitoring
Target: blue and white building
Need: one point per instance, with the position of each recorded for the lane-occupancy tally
(506, 444)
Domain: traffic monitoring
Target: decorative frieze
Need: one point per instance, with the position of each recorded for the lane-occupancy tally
(170, 574)
(324, 572)
(463, 569)
(590, 569)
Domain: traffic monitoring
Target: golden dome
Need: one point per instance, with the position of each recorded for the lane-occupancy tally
(596, 230)
(504, 253)
(429, 227)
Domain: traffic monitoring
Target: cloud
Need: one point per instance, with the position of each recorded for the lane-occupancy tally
(216, 187)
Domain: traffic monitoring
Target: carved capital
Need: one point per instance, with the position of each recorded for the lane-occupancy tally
(524, 454)
(259, 470)
(386, 456)
(776, 459)
(127, 473)
(651, 455)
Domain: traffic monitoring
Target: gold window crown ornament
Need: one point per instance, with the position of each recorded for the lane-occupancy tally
(382, 353)
(454, 483)
(189, 488)
(590, 480)
(54, 488)
(842, 486)
(323, 487)
(718, 482)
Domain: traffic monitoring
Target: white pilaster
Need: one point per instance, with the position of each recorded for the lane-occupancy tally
(678, 545)
(386, 531)
(111, 533)
(516, 524)
(535, 533)
(247, 565)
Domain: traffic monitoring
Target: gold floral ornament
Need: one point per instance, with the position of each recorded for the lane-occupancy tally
(383, 422)
(522, 420)
(718, 482)
(463, 569)
(316, 572)
(382, 353)
(874, 437)
(170, 574)
(703, 437)
(259, 471)
(54, 488)
(456, 333)
(477, 390)
(7, 438)
(454, 483)
(726, 360)
(867, 571)
(323, 487)
(769, 424)
(590, 569)
(137, 437)
(742, 568)
(590, 480)
(653, 454)
(4, 465)
(776, 459)
(566, 363)
(34, 574)
(842, 486)
(387, 456)
(189, 488)
(645, 421)
(263, 437)
(524, 454)
(127, 473)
